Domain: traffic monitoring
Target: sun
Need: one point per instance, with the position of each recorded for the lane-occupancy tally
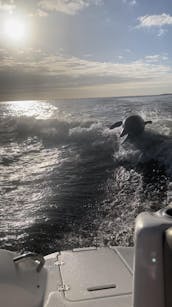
(15, 29)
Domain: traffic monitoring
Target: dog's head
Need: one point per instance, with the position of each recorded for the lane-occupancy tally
(133, 126)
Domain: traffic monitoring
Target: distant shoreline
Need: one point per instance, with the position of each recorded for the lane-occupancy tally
(168, 94)
(78, 98)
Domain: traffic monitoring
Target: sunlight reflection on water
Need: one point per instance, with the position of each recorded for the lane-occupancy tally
(38, 109)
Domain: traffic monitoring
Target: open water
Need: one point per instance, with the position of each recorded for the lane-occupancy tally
(69, 181)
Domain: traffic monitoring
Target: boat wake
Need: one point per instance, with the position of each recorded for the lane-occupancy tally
(77, 182)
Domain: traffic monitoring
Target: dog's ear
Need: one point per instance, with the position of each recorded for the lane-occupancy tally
(117, 124)
(148, 122)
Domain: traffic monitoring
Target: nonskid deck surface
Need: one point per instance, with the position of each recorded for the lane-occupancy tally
(80, 277)
(90, 277)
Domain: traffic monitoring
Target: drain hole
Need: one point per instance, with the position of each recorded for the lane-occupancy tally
(103, 287)
(169, 211)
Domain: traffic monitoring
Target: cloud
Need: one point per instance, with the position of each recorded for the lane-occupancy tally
(70, 7)
(39, 13)
(7, 5)
(42, 69)
(27, 8)
(130, 2)
(156, 58)
(34, 73)
(154, 20)
(162, 32)
(157, 22)
(133, 2)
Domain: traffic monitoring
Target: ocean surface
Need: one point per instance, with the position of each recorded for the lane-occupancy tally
(69, 181)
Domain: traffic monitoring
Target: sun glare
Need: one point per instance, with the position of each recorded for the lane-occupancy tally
(15, 29)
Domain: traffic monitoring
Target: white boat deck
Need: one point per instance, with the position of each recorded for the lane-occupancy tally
(95, 277)
(90, 277)
(84, 277)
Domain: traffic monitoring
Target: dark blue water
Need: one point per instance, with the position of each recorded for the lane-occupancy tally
(68, 181)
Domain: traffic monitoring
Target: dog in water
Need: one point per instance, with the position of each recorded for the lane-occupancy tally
(144, 140)
(133, 126)
(153, 148)
(150, 143)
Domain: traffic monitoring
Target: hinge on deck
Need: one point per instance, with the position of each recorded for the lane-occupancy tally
(59, 262)
(63, 288)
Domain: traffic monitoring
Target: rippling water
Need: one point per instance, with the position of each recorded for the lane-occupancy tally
(68, 181)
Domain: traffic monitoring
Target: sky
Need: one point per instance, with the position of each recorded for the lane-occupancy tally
(84, 48)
